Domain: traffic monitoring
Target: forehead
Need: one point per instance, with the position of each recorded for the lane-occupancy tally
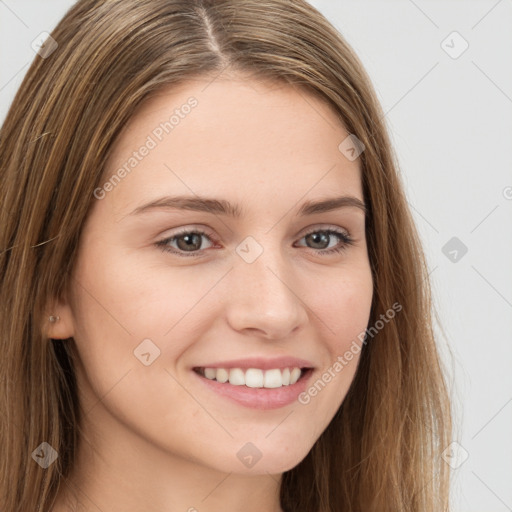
(238, 138)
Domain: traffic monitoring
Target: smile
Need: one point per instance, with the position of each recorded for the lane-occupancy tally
(256, 388)
(253, 377)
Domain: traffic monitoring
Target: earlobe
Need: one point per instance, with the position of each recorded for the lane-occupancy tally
(58, 324)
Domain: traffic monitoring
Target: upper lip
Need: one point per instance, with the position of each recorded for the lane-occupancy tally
(262, 363)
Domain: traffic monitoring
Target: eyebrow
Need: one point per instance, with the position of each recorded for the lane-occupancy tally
(223, 207)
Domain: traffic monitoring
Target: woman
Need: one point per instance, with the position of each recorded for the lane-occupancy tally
(145, 369)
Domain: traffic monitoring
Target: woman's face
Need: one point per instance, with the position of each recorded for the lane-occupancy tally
(153, 301)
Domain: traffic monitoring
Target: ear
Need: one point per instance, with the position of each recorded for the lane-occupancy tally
(58, 322)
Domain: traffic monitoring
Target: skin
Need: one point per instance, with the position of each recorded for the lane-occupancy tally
(156, 439)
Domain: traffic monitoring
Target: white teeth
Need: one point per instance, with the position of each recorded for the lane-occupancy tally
(273, 379)
(254, 377)
(210, 373)
(221, 375)
(236, 377)
(294, 375)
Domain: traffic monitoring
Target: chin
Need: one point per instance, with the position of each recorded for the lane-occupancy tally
(263, 462)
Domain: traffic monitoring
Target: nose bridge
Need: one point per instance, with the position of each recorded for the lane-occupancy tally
(262, 264)
(263, 295)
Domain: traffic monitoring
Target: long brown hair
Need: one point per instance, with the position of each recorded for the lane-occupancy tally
(382, 450)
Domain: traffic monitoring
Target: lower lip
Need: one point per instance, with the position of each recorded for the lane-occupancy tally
(259, 398)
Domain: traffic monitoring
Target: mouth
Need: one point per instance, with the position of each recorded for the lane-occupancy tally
(255, 378)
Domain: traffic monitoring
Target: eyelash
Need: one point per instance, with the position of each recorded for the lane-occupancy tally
(345, 238)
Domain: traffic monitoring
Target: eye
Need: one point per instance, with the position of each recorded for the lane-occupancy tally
(322, 237)
(189, 241)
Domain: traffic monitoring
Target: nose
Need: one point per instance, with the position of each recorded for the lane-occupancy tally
(265, 298)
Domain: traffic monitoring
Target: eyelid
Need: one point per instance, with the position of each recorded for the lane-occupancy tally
(324, 227)
(305, 231)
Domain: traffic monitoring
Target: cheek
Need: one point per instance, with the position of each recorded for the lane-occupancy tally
(343, 311)
(120, 302)
(343, 306)
(115, 308)
(121, 294)
(122, 313)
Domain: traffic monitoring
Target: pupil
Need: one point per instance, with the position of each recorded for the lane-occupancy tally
(189, 240)
(320, 235)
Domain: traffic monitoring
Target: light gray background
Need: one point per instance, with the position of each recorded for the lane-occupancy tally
(451, 124)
